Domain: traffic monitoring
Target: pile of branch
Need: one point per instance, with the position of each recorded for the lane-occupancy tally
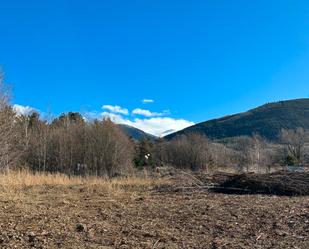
(278, 183)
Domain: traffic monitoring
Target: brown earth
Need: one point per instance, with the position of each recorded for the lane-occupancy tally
(93, 216)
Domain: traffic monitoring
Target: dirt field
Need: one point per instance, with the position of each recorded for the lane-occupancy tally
(129, 215)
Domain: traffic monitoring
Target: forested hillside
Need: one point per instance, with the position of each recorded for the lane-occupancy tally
(266, 120)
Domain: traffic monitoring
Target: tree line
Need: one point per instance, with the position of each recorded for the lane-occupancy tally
(69, 144)
(196, 152)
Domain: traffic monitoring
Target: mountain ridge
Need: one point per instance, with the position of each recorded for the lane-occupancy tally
(266, 120)
(135, 133)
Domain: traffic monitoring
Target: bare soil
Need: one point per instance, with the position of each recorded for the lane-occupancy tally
(82, 216)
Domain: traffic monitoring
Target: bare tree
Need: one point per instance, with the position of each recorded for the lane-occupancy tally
(190, 151)
(9, 154)
(221, 155)
(251, 153)
(73, 146)
(109, 151)
(294, 142)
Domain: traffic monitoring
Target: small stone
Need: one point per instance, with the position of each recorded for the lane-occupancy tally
(281, 233)
(31, 237)
(80, 227)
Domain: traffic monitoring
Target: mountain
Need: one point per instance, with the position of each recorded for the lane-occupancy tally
(135, 133)
(266, 120)
(167, 132)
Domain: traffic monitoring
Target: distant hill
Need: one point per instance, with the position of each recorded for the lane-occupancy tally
(135, 133)
(266, 120)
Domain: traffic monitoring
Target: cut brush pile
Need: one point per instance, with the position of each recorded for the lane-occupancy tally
(278, 183)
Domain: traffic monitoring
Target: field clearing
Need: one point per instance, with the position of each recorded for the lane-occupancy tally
(55, 211)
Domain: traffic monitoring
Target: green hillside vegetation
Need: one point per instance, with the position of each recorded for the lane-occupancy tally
(266, 120)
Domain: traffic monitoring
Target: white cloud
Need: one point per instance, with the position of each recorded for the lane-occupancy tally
(152, 122)
(116, 109)
(145, 101)
(158, 126)
(23, 110)
(146, 113)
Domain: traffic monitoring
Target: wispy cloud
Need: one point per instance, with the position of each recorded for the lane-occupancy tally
(145, 101)
(146, 113)
(23, 110)
(116, 109)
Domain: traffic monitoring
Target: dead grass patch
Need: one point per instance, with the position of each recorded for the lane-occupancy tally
(19, 180)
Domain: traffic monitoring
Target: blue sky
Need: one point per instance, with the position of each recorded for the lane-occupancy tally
(196, 60)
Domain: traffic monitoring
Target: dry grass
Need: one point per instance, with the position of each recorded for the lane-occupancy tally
(20, 186)
(21, 179)
(55, 211)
